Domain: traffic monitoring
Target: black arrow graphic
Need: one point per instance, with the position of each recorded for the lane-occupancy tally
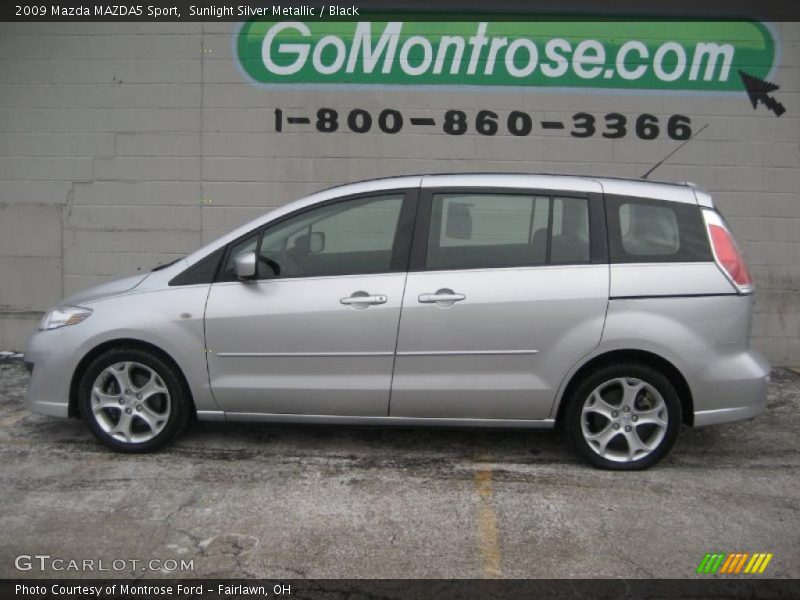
(758, 91)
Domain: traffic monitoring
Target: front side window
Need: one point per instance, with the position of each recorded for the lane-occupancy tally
(472, 231)
(346, 238)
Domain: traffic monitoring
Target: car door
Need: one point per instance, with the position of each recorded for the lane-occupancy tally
(507, 290)
(315, 332)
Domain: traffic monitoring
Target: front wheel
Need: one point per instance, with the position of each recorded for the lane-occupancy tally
(132, 400)
(623, 417)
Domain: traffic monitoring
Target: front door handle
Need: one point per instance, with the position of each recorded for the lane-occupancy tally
(443, 297)
(361, 300)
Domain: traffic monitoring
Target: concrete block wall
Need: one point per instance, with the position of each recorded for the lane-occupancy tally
(123, 146)
(100, 128)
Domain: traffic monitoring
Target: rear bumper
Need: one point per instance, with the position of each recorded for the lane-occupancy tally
(51, 356)
(731, 388)
(726, 415)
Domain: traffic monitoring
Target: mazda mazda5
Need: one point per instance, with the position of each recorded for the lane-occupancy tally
(617, 309)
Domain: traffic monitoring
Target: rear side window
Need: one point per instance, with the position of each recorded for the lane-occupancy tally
(642, 230)
(477, 230)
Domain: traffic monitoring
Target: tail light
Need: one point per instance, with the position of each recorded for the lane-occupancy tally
(727, 253)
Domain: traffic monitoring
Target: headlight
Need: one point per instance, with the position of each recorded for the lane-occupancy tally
(64, 315)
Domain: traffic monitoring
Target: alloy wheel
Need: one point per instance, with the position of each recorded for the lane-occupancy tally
(624, 419)
(130, 402)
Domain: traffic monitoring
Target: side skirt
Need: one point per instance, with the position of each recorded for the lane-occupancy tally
(395, 421)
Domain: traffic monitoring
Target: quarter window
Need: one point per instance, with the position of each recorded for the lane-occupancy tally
(202, 271)
(470, 231)
(648, 230)
(642, 230)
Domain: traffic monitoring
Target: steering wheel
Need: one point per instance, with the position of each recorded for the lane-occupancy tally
(290, 263)
(274, 266)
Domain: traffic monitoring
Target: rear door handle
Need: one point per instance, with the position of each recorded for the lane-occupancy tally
(442, 297)
(363, 299)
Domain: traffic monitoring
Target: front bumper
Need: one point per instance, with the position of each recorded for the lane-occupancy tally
(52, 356)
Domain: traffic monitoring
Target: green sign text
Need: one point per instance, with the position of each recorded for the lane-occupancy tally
(622, 54)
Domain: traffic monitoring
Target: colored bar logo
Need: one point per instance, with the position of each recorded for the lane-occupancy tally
(722, 563)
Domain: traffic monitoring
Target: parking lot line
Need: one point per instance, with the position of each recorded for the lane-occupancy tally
(13, 418)
(487, 525)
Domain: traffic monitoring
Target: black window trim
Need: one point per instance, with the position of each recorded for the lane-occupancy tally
(598, 239)
(400, 251)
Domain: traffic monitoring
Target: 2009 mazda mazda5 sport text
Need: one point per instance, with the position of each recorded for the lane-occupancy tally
(619, 309)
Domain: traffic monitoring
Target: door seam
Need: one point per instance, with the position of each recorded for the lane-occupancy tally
(206, 349)
(414, 233)
(396, 342)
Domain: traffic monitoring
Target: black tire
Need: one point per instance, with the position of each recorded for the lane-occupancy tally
(574, 420)
(177, 400)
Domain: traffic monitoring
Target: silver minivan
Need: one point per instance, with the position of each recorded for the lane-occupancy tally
(616, 309)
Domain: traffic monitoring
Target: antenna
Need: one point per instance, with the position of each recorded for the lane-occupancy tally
(663, 160)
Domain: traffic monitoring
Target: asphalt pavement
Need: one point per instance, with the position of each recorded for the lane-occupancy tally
(231, 500)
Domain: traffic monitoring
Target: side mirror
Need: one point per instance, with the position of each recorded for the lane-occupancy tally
(244, 265)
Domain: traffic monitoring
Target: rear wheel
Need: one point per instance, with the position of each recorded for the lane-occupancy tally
(623, 417)
(132, 400)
